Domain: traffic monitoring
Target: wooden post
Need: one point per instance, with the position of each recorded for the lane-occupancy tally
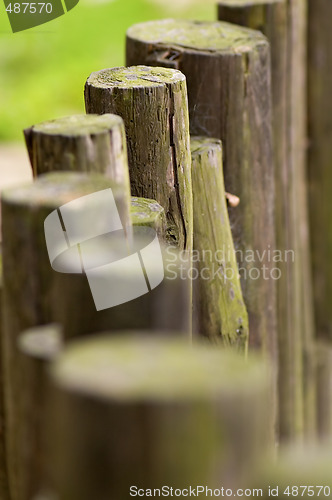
(324, 390)
(167, 307)
(228, 76)
(28, 278)
(38, 347)
(148, 213)
(154, 399)
(284, 23)
(320, 159)
(221, 313)
(153, 105)
(80, 143)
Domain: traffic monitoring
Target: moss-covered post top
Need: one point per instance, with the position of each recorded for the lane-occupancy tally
(201, 144)
(197, 35)
(56, 189)
(42, 342)
(134, 77)
(130, 366)
(79, 125)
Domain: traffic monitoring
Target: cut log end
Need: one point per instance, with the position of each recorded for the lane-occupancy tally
(201, 36)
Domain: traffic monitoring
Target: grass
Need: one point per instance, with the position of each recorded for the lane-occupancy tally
(43, 70)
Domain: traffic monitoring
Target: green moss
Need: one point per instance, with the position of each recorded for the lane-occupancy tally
(202, 36)
(79, 125)
(248, 3)
(134, 76)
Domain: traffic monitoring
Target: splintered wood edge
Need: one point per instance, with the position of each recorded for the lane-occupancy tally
(136, 366)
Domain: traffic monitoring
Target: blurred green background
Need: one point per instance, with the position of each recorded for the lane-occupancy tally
(43, 70)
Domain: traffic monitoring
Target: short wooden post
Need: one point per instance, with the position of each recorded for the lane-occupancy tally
(153, 105)
(28, 278)
(324, 390)
(80, 143)
(38, 347)
(134, 403)
(221, 313)
(284, 23)
(148, 213)
(228, 76)
(320, 159)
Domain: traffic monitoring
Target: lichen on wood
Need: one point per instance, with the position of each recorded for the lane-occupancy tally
(283, 22)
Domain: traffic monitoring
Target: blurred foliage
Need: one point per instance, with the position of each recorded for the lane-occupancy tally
(43, 70)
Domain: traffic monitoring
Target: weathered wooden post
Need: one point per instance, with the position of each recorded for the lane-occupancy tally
(4, 492)
(320, 159)
(124, 407)
(228, 76)
(284, 23)
(38, 347)
(80, 143)
(220, 311)
(153, 105)
(28, 278)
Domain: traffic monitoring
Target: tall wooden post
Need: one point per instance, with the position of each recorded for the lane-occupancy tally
(220, 311)
(123, 407)
(320, 158)
(324, 390)
(80, 143)
(228, 77)
(153, 105)
(284, 23)
(28, 278)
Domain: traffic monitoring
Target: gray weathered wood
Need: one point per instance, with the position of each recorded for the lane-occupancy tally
(284, 23)
(221, 313)
(28, 278)
(124, 407)
(153, 105)
(320, 158)
(228, 76)
(37, 347)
